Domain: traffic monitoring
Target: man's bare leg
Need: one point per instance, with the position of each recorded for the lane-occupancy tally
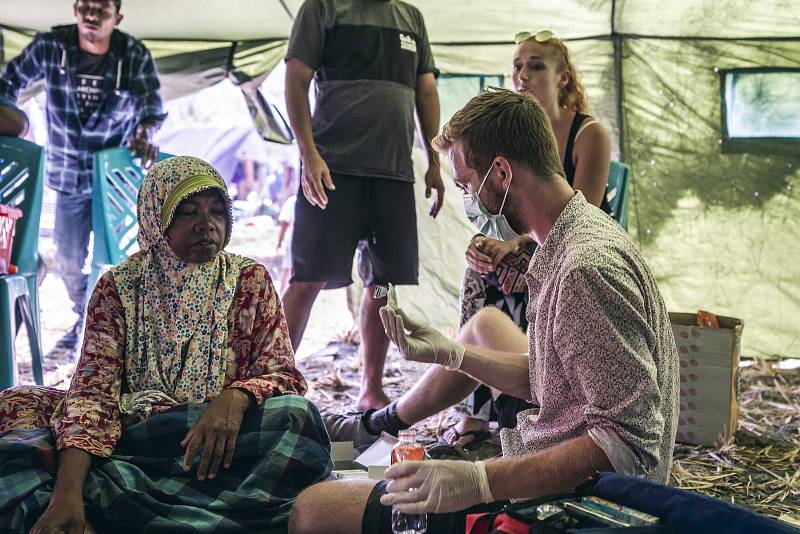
(441, 388)
(333, 507)
(374, 345)
(298, 300)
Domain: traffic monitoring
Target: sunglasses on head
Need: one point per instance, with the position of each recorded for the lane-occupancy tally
(542, 36)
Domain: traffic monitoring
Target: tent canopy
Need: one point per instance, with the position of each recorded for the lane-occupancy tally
(720, 228)
(466, 21)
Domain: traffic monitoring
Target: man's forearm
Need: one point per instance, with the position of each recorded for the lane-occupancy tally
(427, 103)
(73, 465)
(556, 470)
(300, 116)
(506, 371)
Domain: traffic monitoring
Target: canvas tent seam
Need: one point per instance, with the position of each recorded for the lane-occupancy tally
(286, 8)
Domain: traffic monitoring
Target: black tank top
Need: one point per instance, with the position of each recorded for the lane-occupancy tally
(569, 165)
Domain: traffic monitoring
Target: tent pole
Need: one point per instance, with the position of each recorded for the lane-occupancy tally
(616, 39)
(288, 11)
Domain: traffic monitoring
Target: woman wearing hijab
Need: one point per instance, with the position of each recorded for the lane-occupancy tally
(185, 410)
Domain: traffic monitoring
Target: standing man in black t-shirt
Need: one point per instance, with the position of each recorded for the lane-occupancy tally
(373, 68)
(102, 92)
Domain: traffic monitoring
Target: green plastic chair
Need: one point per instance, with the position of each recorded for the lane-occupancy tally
(21, 179)
(116, 182)
(617, 192)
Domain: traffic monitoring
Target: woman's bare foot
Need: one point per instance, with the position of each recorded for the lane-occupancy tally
(466, 432)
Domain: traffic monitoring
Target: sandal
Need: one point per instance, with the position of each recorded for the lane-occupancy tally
(478, 436)
(445, 451)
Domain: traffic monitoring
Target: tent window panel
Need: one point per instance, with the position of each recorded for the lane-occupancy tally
(455, 90)
(763, 104)
(760, 110)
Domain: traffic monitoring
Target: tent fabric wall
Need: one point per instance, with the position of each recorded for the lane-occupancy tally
(594, 59)
(709, 18)
(185, 67)
(719, 230)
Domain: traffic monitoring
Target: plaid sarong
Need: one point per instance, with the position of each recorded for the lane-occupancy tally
(282, 448)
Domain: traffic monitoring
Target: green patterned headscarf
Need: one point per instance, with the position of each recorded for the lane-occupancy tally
(176, 313)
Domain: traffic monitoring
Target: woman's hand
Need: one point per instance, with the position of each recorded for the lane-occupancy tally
(215, 432)
(485, 253)
(63, 516)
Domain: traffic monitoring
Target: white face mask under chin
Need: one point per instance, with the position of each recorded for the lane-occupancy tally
(489, 224)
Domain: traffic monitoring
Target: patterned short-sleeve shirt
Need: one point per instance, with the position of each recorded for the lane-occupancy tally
(603, 357)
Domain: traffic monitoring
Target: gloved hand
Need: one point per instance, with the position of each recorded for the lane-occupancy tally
(436, 486)
(422, 344)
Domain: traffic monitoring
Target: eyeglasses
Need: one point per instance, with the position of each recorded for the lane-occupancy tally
(542, 36)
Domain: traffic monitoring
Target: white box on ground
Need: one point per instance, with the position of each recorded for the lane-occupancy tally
(342, 451)
(372, 463)
(379, 453)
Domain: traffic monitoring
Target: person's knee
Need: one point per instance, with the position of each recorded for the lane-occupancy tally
(300, 408)
(331, 507)
(307, 515)
(485, 320)
(298, 413)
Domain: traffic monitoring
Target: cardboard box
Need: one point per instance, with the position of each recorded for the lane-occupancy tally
(709, 368)
(371, 464)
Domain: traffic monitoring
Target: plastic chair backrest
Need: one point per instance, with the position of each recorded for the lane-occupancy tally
(617, 192)
(21, 182)
(117, 179)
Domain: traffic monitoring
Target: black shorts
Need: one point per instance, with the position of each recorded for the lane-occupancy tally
(503, 409)
(378, 518)
(377, 216)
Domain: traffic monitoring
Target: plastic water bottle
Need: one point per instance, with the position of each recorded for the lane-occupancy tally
(408, 449)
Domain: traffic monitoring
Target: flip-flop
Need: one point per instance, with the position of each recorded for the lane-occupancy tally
(445, 451)
(478, 436)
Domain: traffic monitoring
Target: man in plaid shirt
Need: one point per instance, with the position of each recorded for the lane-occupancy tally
(102, 91)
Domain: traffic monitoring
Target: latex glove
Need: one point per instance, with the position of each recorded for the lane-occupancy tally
(391, 298)
(422, 343)
(436, 486)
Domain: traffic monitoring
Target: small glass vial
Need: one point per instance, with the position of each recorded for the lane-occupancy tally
(408, 449)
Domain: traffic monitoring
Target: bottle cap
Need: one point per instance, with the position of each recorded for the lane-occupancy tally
(407, 434)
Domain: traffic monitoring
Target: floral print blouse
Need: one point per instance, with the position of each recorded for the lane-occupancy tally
(260, 361)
